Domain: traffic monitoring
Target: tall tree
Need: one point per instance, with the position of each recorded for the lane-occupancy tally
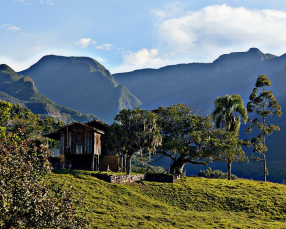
(187, 137)
(264, 104)
(227, 113)
(134, 131)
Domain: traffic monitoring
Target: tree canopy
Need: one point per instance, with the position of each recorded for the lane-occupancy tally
(134, 131)
(188, 137)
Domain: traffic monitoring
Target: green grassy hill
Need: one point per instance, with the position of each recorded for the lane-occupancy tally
(189, 203)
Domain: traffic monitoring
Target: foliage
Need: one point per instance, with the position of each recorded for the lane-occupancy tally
(228, 110)
(217, 174)
(34, 125)
(226, 115)
(266, 107)
(134, 131)
(140, 164)
(188, 137)
(5, 112)
(191, 202)
(27, 200)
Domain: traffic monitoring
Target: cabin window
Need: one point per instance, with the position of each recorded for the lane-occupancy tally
(79, 142)
(79, 138)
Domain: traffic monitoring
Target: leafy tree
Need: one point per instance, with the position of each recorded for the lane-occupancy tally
(232, 151)
(264, 104)
(5, 108)
(27, 200)
(187, 137)
(34, 125)
(134, 131)
(227, 113)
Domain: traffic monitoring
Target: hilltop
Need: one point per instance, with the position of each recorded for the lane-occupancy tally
(189, 203)
(81, 83)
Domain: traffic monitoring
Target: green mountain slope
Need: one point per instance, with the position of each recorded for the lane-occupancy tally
(81, 83)
(188, 203)
(22, 90)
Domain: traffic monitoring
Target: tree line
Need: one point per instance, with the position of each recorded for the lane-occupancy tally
(182, 134)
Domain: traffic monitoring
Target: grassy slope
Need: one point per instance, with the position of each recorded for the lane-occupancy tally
(189, 203)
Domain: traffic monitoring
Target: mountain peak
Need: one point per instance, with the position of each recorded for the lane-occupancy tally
(256, 50)
(240, 59)
(5, 67)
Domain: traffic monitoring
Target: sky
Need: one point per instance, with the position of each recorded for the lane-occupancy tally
(124, 35)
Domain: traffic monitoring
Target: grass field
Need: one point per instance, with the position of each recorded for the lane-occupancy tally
(189, 203)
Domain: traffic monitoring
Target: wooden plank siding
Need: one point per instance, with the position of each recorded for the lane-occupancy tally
(81, 141)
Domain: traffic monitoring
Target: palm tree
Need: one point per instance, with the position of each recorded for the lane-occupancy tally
(229, 110)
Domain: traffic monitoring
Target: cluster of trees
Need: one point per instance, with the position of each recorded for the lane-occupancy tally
(27, 198)
(182, 134)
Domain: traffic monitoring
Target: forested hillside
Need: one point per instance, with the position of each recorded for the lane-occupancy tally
(22, 90)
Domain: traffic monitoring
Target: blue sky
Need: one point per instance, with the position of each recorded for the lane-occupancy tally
(124, 35)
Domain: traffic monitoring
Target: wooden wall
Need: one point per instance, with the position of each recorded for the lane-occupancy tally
(80, 140)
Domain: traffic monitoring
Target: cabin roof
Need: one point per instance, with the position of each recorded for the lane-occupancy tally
(56, 134)
(99, 125)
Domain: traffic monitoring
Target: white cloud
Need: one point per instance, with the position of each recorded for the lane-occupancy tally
(4, 25)
(84, 42)
(104, 47)
(143, 58)
(37, 48)
(48, 2)
(219, 29)
(99, 59)
(13, 28)
(205, 34)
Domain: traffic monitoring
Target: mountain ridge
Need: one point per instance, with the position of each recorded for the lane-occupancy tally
(21, 90)
(82, 84)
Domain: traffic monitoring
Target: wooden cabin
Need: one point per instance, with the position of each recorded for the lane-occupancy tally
(80, 146)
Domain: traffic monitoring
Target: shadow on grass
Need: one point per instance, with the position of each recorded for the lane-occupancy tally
(75, 173)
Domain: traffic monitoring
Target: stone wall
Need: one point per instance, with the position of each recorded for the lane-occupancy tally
(118, 179)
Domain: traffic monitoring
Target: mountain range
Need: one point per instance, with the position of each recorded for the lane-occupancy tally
(83, 84)
(21, 90)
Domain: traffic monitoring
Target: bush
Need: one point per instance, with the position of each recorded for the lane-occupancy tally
(217, 174)
(27, 200)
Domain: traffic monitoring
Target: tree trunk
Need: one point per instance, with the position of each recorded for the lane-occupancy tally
(128, 164)
(121, 164)
(229, 171)
(264, 152)
(177, 166)
(265, 168)
(124, 163)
